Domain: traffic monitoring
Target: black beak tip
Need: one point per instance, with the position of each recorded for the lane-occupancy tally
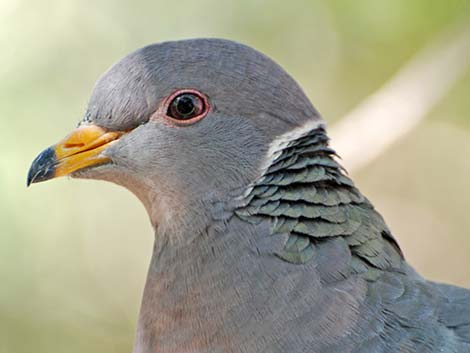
(43, 167)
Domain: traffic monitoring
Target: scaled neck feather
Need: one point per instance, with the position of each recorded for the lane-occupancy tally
(305, 193)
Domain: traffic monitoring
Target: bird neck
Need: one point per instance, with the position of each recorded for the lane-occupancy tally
(300, 226)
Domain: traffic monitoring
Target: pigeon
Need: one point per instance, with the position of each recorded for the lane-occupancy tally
(262, 241)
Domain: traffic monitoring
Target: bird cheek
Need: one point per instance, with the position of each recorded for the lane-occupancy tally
(130, 152)
(120, 155)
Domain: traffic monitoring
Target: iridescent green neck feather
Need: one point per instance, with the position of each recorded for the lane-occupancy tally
(306, 193)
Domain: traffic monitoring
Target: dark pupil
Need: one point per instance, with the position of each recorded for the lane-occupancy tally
(184, 106)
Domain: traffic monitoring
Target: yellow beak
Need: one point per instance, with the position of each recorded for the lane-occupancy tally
(81, 149)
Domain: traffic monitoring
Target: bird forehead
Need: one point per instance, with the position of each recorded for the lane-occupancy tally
(208, 63)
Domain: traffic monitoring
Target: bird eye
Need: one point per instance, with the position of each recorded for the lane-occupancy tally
(187, 106)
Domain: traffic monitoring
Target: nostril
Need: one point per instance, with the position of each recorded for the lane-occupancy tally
(74, 145)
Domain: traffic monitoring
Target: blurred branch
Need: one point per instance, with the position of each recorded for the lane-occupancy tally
(397, 107)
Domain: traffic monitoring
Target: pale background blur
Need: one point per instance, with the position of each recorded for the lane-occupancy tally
(74, 254)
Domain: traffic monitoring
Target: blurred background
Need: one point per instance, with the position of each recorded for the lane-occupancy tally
(74, 254)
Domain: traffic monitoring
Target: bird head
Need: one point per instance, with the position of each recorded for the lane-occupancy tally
(182, 124)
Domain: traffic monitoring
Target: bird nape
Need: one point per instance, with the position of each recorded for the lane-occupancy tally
(262, 241)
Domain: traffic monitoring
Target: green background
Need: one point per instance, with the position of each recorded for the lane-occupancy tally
(74, 254)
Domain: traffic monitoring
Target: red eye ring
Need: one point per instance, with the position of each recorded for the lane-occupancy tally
(186, 106)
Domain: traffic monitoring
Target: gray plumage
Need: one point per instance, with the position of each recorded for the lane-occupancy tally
(262, 241)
